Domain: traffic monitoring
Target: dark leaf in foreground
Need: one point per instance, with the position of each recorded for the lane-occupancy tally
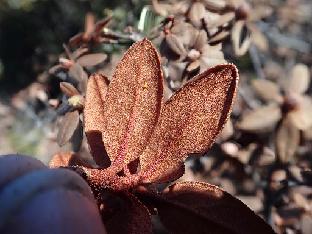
(195, 207)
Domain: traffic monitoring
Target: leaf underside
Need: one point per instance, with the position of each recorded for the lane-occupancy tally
(94, 118)
(190, 121)
(133, 103)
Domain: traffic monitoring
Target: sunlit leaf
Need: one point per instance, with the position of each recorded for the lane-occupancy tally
(190, 121)
(94, 117)
(133, 102)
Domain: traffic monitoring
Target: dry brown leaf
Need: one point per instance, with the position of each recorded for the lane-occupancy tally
(94, 117)
(269, 115)
(67, 127)
(194, 207)
(286, 140)
(190, 121)
(299, 79)
(133, 103)
(91, 60)
(267, 90)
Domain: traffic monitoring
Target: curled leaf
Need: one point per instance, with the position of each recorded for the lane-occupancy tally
(94, 117)
(194, 207)
(133, 102)
(240, 48)
(67, 128)
(190, 121)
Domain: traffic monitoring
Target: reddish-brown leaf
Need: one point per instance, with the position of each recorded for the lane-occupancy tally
(190, 121)
(94, 117)
(132, 103)
(194, 207)
(67, 128)
(64, 159)
(128, 215)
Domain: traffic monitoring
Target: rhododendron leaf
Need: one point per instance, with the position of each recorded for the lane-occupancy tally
(301, 117)
(190, 121)
(287, 139)
(194, 207)
(299, 79)
(269, 116)
(240, 45)
(94, 117)
(267, 90)
(91, 60)
(128, 215)
(68, 89)
(197, 13)
(69, 124)
(133, 102)
(65, 159)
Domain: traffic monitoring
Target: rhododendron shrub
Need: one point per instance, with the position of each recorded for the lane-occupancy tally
(139, 141)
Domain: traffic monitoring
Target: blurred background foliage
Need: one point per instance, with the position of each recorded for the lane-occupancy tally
(32, 33)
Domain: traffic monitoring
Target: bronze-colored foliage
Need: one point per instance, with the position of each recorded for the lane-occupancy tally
(147, 142)
(182, 128)
(94, 117)
(132, 104)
